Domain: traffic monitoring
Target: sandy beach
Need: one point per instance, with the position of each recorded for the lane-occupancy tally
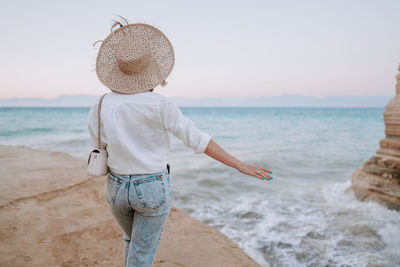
(54, 214)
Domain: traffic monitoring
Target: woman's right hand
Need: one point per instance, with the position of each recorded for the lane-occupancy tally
(256, 171)
(216, 152)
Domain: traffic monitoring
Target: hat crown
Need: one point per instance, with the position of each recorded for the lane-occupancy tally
(134, 66)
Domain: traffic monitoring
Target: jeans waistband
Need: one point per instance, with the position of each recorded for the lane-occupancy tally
(137, 176)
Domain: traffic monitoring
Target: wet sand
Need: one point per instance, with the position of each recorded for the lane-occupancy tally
(53, 214)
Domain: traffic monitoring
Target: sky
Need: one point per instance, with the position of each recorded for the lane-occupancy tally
(222, 48)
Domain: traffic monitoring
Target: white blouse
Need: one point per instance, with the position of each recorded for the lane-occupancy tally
(135, 129)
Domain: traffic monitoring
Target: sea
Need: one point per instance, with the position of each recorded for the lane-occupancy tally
(303, 217)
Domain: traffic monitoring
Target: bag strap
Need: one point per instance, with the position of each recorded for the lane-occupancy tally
(98, 122)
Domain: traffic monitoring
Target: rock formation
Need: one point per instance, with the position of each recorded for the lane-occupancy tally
(379, 178)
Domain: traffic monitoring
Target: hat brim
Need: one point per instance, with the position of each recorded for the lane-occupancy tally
(128, 42)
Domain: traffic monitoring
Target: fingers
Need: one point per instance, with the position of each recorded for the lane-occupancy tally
(259, 172)
(262, 168)
(262, 175)
(258, 176)
(267, 174)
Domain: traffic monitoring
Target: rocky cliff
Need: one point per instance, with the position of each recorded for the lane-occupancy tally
(379, 178)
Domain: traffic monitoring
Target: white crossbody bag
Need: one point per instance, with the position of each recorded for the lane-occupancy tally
(97, 161)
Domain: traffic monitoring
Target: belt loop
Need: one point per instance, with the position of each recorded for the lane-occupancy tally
(168, 168)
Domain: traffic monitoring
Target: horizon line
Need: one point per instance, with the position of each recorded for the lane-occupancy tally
(208, 97)
(53, 107)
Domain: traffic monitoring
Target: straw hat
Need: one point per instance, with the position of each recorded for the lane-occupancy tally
(134, 58)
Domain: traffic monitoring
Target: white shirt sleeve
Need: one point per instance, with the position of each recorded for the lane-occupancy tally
(182, 127)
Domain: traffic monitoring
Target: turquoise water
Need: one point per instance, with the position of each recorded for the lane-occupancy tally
(302, 218)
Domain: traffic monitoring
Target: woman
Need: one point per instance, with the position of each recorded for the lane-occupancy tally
(135, 123)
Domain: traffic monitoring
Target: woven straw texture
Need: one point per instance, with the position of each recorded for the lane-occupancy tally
(134, 58)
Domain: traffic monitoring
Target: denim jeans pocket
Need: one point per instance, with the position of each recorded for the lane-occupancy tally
(113, 185)
(151, 191)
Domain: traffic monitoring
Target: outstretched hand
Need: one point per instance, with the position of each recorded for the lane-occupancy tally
(256, 171)
(216, 152)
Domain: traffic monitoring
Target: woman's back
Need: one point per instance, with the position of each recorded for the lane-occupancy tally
(135, 130)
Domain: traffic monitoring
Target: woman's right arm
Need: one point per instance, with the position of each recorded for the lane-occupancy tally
(216, 152)
(184, 129)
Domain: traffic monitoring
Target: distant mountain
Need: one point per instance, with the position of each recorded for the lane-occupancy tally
(287, 101)
(61, 101)
(268, 101)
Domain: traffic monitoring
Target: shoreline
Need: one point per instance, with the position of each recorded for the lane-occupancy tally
(53, 213)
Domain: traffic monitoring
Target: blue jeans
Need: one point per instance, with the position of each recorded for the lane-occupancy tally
(141, 204)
